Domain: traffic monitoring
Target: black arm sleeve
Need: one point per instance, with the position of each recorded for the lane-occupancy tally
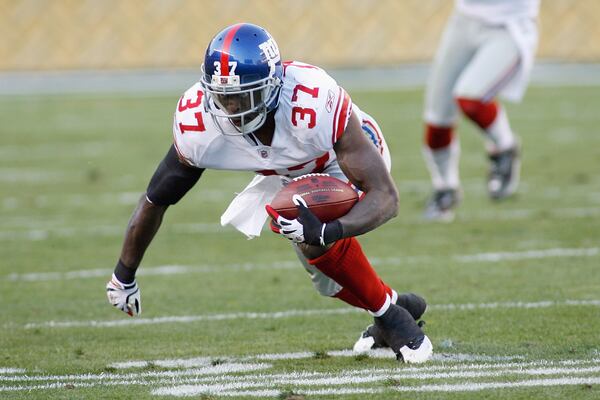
(171, 180)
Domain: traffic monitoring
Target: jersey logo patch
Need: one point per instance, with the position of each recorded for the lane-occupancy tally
(329, 102)
(264, 153)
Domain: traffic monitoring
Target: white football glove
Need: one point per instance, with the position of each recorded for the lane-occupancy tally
(307, 228)
(126, 297)
(291, 229)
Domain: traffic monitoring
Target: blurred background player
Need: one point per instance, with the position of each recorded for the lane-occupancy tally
(487, 50)
(251, 112)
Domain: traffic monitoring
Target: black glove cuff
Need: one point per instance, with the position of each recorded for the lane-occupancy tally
(124, 274)
(333, 231)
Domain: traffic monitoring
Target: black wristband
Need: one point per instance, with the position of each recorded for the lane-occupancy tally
(333, 231)
(124, 274)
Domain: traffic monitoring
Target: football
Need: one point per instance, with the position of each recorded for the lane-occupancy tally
(327, 197)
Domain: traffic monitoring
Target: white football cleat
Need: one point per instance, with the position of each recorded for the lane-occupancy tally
(371, 337)
(367, 340)
(404, 336)
(416, 355)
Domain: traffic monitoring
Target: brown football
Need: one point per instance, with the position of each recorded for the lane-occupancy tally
(327, 197)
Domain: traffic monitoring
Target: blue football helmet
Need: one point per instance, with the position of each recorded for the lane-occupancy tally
(241, 77)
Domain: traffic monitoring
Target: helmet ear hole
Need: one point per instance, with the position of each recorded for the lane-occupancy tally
(242, 64)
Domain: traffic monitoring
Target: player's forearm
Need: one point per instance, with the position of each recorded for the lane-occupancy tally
(142, 227)
(377, 207)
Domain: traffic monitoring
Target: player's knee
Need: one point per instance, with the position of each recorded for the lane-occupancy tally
(325, 286)
(482, 113)
(438, 137)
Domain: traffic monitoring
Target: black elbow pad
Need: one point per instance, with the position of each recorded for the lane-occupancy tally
(171, 180)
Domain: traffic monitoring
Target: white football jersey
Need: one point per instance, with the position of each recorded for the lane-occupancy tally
(499, 11)
(312, 115)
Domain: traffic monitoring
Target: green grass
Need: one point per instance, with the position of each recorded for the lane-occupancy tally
(72, 167)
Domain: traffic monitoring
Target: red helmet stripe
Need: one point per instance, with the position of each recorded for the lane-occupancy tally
(225, 51)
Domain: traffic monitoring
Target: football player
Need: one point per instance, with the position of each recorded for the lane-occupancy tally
(252, 112)
(487, 50)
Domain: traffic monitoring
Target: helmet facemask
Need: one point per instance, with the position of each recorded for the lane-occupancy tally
(242, 105)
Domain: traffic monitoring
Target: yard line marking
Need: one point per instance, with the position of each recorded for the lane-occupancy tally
(212, 377)
(11, 370)
(529, 254)
(292, 264)
(152, 271)
(191, 318)
(343, 378)
(463, 387)
(448, 357)
(85, 199)
(117, 230)
(515, 304)
(494, 257)
(48, 151)
(22, 175)
(478, 386)
(377, 353)
(204, 371)
(295, 313)
(106, 230)
(519, 214)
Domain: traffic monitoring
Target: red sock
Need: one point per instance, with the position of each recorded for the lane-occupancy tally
(346, 296)
(437, 137)
(483, 114)
(346, 264)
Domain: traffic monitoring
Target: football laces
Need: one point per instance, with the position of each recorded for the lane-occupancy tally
(308, 176)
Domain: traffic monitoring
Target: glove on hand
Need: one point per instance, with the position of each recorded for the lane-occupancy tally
(307, 228)
(126, 297)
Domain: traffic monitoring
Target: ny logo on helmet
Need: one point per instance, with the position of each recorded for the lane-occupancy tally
(270, 51)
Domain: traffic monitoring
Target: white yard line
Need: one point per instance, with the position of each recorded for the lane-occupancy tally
(530, 254)
(22, 175)
(12, 370)
(152, 271)
(354, 378)
(117, 230)
(515, 304)
(291, 264)
(109, 199)
(494, 257)
(378, 353)
(478, 386)
(105, 230)
(225, 194)
(437, 368)
(297, 313)
(49, 151)
(191, 318)
(217, 370)
(224, 379)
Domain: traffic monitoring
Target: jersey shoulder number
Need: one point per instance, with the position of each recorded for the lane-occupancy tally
(317, 107)
(190, 132)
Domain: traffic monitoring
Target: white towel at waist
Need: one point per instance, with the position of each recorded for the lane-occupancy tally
(246, 213)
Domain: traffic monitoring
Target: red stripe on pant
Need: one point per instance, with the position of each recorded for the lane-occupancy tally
(483, 114)
(438, 137)
(347, 264)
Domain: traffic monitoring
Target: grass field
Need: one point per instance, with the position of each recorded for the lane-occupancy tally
(513, 287)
